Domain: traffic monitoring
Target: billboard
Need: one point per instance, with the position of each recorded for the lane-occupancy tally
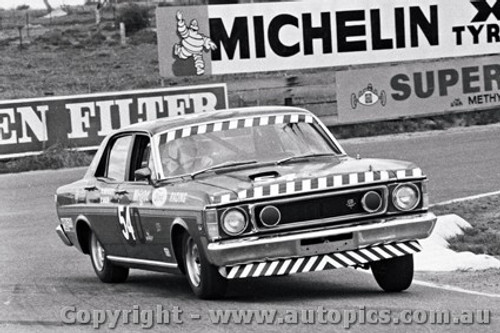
(31, 125)
(409, 90)
(255, 37)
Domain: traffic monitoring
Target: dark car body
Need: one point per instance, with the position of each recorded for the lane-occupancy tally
(253, 211)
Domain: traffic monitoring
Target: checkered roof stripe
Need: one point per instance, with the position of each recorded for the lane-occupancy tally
(224, 125)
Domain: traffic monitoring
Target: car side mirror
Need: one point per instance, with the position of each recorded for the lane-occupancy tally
(143, 174)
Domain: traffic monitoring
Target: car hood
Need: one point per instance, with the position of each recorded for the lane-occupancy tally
(293, 178)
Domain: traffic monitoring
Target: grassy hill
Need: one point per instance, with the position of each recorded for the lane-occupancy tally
(72, 55)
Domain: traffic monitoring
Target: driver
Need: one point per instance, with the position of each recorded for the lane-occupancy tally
(182, 156)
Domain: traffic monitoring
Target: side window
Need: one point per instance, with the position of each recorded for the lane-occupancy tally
(141, 156)
(117, 161)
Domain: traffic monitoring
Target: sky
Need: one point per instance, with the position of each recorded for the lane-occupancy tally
(36, 4)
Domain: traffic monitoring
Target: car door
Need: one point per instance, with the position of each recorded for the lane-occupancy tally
(145, 227)
(103, 196)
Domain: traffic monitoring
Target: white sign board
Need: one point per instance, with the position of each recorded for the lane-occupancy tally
(222, 39)
(409, 90)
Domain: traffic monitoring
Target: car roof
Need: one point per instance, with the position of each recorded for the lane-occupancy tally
(164, 124)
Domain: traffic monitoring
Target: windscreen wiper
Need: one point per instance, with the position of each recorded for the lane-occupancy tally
(179, 177)
(221, 166)
(300, 157)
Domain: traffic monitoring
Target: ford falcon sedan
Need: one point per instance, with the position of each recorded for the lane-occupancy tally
(243, 193)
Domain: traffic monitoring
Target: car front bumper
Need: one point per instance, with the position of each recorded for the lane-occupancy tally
(318, 242)
(62, 234)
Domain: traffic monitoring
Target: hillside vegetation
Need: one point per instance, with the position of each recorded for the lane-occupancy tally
(72, 55)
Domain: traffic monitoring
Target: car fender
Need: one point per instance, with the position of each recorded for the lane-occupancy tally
(176, 242)
(82, 220)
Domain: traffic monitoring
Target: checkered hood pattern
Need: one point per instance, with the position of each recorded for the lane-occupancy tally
(321, 262)
(316, 184)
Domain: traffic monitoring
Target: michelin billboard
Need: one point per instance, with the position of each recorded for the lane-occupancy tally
(256, 37)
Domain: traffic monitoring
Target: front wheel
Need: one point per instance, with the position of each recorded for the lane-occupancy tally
(203, 277)
(395, 274)
(105, 269)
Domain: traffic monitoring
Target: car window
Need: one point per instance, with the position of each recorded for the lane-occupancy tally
(301, 138)
(141, 156)
(117, 162)
(266, 143)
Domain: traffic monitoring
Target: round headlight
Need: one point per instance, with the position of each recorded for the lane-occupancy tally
(406, 197)
(234, 222)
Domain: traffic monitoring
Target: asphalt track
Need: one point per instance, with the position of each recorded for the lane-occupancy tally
(459, 162)
(40, 277)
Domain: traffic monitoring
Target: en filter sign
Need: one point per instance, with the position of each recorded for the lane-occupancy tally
(31, 125)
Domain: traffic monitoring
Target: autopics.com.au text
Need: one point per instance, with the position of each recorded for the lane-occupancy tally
(346, 318)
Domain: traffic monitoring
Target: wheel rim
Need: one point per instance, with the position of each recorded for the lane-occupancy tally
(98, 254)
(193, 264)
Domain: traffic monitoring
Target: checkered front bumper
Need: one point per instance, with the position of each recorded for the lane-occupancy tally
(322, 262)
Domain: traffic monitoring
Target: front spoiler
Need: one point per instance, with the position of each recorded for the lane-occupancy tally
(269, 248)
(354, 258)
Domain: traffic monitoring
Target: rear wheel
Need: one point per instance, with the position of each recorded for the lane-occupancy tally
(395, 274)
(203, 277)
(105, 269)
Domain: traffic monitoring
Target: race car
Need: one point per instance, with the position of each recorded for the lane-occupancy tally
(243, 193)
(368, 97)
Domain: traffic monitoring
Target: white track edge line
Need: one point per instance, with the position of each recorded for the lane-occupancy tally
(453, 288)
(473, 197)
(442, 286)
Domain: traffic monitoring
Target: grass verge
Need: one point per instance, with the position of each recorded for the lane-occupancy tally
(418, 124)
(484, 216)
(55, 157)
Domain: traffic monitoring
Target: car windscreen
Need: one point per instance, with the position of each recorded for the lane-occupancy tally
(262, 144)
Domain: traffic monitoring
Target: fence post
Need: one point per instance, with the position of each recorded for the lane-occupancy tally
(98, 14)
(27, 24)
(123, 39)
(20, 29)
(291, 81)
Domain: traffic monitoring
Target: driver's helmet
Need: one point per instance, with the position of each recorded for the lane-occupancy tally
(179, 156)
(187, 152)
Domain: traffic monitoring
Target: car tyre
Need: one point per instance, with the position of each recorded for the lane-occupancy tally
(395, 274)
(105, 269)
(203, 277)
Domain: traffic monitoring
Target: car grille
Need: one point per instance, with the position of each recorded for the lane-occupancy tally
(331, 207)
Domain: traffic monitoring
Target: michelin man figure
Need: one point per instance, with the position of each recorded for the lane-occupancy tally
(193, 44)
